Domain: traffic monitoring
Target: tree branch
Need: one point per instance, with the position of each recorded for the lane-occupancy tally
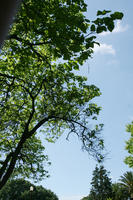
(5, 163)
(39, 125)
(11, 166)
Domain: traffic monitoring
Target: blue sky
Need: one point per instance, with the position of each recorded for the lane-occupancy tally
(111, 70)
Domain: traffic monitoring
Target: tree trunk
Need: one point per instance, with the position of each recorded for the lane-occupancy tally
(7, 12)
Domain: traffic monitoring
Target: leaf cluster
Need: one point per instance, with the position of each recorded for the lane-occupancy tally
(105, 23)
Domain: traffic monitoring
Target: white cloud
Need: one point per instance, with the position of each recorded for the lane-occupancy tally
(118, 29)
(104, 49)
(76, 197)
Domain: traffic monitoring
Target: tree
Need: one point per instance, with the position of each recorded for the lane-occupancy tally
(127, 182)
(119, 192)
(39, 90)
(101, 185)
(19, 189)
(129, 146)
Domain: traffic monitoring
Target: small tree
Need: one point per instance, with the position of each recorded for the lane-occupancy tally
(101, 184)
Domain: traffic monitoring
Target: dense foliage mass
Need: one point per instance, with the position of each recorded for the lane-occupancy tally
(39, 90)
(19, 189)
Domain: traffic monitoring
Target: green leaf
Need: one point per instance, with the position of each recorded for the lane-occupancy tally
(117, 15)
(104, 12)
(92, 27)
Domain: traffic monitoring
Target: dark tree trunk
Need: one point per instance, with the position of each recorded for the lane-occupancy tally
(7, 11)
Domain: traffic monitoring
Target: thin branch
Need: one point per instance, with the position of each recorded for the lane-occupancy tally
(31, 114)
(40, 87)
(15, 37)
(7, 76)
(11, 77)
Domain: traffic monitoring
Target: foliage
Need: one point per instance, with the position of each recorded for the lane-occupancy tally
(129, 146)
(101, 185)
(19, 189)
(39, 90)
(127, 182)
(119, 192)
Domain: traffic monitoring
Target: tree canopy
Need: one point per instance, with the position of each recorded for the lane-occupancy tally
(19, 189)
(39, 89)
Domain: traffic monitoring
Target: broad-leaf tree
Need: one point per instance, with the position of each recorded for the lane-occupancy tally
(19, 189)
(101, 184)
(39, 90)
